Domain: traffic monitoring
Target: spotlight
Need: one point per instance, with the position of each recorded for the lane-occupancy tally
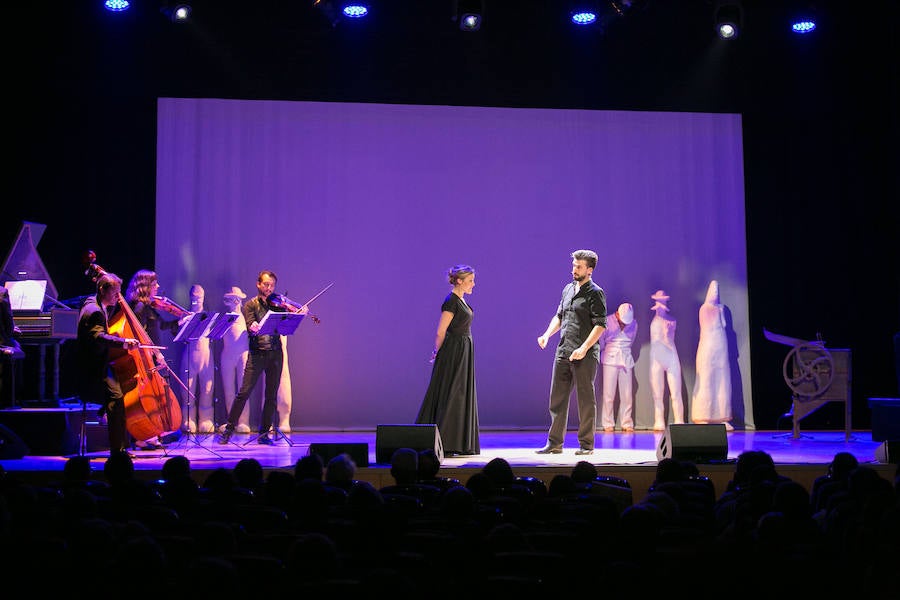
(342, 10)
(728, 20)
(603, 14)
(116, 5)
(354, 10)
(469, 14)
(804, 21)
(177, 13)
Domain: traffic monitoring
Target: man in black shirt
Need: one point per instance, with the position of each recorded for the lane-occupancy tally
(581, 319)
(265, 357)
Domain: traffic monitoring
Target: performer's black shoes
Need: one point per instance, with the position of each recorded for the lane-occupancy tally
(265, 440)
(226, 436)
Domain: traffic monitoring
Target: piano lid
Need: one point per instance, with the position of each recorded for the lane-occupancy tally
(23, 261)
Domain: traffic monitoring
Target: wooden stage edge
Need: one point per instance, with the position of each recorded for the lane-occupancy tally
(631, 456)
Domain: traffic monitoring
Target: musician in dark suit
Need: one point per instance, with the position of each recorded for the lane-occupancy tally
(266, 356)
(97, 384)
(9, 349)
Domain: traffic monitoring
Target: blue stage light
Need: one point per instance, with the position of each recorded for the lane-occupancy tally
(355, 11)
(116, 5)
(584, 17)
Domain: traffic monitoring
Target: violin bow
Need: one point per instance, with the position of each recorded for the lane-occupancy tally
(325, 289)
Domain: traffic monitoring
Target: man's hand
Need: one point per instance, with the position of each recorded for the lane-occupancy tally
(577, 354)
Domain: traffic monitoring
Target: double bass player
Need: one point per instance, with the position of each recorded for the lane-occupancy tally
(97, 383)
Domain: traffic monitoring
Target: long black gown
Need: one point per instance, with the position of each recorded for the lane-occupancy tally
(451, 402)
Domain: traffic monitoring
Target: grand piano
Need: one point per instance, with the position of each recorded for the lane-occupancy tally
(44, 322)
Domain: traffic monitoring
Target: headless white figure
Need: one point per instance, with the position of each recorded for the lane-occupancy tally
(197, 364)
(665, 367)
(234, 358)
(618, 365)
(711, 400)
(284, 392)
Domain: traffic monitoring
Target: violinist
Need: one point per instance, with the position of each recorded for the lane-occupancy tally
(142, 290)
(265, 356)
(97, 383)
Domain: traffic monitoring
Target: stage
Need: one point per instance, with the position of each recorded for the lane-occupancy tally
(632, 456)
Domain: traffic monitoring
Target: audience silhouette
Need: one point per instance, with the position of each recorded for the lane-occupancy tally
(245, 525)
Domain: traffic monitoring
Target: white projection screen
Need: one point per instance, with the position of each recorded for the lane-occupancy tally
(382, 199)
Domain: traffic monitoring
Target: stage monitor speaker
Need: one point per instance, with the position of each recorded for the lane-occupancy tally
(888, 452)
(11, 445)
(418, 437)
(698, 443)
(358, 452)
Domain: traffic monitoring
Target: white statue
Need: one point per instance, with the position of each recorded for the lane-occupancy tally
(233, 359)
(711, 400)
(197, 365)
(618, 366)
(665, 367)
(284, 391)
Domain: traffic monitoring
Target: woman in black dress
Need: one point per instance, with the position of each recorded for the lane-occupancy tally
(450, 402)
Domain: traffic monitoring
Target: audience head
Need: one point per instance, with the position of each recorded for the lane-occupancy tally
(310, 466)
(499, 472)
(77, 469)
(669, 469)
(118, 468)
(841, 465)
(340, 471)
(584, 472)
(176, 467)
(429, 464)
(248, 473)
(405, 466)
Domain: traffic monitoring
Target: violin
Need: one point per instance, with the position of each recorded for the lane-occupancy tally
(163, 303)
(281, 301)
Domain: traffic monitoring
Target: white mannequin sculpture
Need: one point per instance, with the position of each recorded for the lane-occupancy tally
(284, 391)
(711, 400)
(197, 364)
(618, 365)
(234, 357)
(665, 367)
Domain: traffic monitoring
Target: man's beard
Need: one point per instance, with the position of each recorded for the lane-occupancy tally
(579, 278)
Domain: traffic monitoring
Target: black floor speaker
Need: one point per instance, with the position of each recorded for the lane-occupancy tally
(11, 445)
(418, 437)
(888, 452)
(698, 443)
(358, 452)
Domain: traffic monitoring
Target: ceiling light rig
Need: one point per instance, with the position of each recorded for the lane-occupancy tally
(728, 19)
(598, 13)
(116, 5)
(177, 13)
(342, 10)
(468, 14)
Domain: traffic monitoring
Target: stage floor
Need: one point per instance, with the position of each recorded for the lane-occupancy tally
(628, 455)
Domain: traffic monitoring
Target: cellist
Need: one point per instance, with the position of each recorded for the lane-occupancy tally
(97, 384)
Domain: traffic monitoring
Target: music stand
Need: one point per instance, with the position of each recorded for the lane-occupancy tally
(281, 323)
(220, 324)
(218, 327)
(193, 329)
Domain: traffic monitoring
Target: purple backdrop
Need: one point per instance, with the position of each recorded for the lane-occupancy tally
(382, 199)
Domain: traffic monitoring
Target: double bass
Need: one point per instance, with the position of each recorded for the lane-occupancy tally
(151, 407)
